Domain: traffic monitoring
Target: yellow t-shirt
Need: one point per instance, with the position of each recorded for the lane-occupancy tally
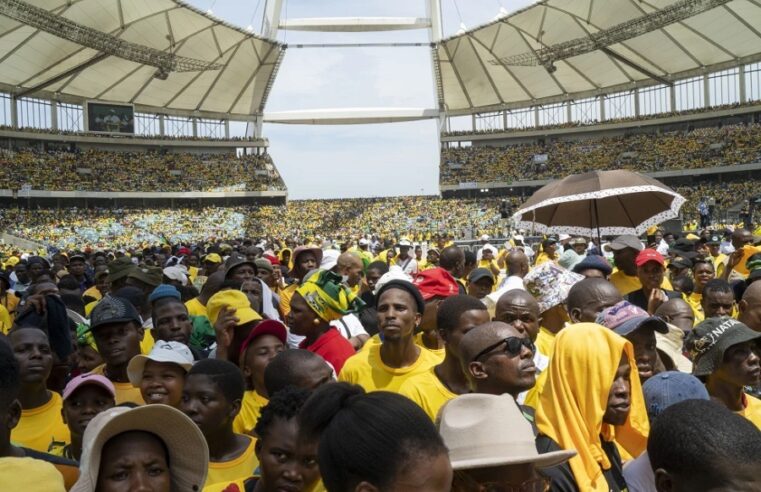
(366, 369)
(239, 468)
(752, 410)
(195, 308)
(427, 390)
(125, 392)
(545, 345)
(629, 283)
(545, 341)
(250, 410)
(10, 302)
(440, 353)
(543, 258)
(285, 299)
(719, 264)
(694, 301)
(490, 265)
(26, 474)
(40, 426)
(5, 320)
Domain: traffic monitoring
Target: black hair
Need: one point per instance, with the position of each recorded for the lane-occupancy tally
(701, 261)
(470, 258)
(717, 285)
(285, 405)
(378, 265)
(162, 301)
(697, 437)
(231, 284)
(282, 371)
(225, 374)
(449, 257)
(74, 302)
(683, 284)
(68, 282)
(451, 308)
(10, 376)
(368, 437)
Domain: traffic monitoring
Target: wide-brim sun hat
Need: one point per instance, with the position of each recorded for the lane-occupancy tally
(187, 448)
(484, 431)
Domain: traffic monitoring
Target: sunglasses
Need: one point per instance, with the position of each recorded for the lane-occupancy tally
(463, 482)
(513, 347)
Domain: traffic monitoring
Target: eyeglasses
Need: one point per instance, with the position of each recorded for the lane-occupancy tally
(463, 482)
(513, 347)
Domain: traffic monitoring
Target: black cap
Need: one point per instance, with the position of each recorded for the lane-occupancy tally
(479, 273)
(404, 285)
(708, 341)
(111, 310)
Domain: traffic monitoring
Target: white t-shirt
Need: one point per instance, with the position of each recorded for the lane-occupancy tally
(409, 265)
(349, 326)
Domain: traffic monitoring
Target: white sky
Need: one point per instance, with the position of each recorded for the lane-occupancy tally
(358, 160)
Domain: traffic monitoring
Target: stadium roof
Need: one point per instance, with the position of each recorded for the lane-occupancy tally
(160, 55)
(557, 50)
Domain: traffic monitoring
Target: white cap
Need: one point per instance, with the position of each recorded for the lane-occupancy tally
(404, 242)
(485, 237)
(564, 237)
(329, 258)
(363, 242)
(176, 273)
(395, 272)
(175, 352)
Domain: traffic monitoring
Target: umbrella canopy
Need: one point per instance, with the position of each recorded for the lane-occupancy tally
(599, 203)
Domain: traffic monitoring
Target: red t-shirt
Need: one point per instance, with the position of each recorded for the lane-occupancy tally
(332, 347)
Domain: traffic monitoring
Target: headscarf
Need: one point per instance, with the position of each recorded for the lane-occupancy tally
(571, 406)
(85, 336)
(268, 308)
(327, 296)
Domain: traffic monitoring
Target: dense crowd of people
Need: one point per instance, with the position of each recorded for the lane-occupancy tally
(270, 365)
(644, 152)
(417, 217)
(31, 129)
(98, 170)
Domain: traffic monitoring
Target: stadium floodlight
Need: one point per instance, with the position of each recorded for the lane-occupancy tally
(670, 14)
(104, 43)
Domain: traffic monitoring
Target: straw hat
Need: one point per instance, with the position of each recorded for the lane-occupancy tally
(488, 430)
(188, 452)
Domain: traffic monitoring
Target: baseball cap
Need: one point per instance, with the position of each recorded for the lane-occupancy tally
(624, 318)
(624, 241)
(212, 258)
(162, 351)
(714, 240)
(549, 284)
(266, 327)
(113, 309)
(148, 275)
(708, 341)
(88, 379)
(185, 444)
(667, 388)
(479, 273)
(364, 242)
(682, 245)
(577, 240)
(483, 430)
(647, 255)
(234, 299)
(176, 273)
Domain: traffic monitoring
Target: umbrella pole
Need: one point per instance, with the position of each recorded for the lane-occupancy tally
(597, 222)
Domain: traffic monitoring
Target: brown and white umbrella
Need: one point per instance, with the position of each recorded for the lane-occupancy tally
(599, 203)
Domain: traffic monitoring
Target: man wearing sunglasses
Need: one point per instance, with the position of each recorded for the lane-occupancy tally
(498, 358)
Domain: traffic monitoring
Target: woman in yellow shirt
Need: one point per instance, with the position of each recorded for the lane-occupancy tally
(702, 272)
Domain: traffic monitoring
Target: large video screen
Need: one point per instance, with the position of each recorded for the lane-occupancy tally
(110, 118)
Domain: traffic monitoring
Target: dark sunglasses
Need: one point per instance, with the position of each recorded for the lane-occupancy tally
(513, 346)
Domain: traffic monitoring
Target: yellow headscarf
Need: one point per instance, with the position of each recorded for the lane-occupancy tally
(571, 407)
(327, 296)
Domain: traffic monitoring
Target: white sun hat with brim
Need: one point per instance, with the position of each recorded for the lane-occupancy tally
(484, 431)
(173, 352)
(188, 452)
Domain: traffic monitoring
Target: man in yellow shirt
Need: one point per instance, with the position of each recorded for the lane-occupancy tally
(41, 422)
(432, 389)
(718, 258)
(197, 305)
(625, 249)
(212, 399)
(726, 356)
(386, 366)
(117, 330)
(549, 251)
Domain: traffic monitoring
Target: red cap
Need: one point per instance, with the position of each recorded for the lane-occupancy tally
(266, 327)
(436, 282)
(647, 255)
(272, 259)
(184, 251)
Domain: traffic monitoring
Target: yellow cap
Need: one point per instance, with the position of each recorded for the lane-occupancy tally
(213, 258)
(234, 299)
(12, 261)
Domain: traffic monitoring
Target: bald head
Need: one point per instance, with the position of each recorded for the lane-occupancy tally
(212, 284)
(741, 237)
(589, 297)
(517, 263)
(519, 309)
(452, 259)
(678, 313)
(350, 265)
(750, 306)
(498, 370)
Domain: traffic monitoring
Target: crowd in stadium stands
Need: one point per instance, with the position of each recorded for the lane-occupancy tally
(699, 148)
(726, 196)
(414, 217)
(96, 170)
(30, 129)
(592, 122)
